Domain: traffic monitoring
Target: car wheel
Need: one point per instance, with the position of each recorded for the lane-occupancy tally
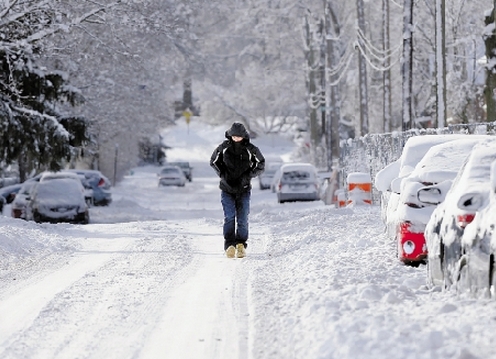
(414, 264)
(36, 217)
(462, 276)
(492, 275)
(86, 219)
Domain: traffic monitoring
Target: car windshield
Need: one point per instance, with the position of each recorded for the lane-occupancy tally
(26, 188)
(169, 170)
(295, 176)
(180, 164)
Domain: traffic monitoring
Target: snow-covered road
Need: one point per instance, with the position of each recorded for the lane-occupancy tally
(159, 287)
(147, 278)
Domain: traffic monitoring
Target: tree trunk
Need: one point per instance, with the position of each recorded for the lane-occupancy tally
(313, 96)
(362, 69)
(333, 100)
(407, 64)
(490, 88)
(440, 64)
(386, 75)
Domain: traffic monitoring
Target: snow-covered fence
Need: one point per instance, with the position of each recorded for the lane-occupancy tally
(373, 152)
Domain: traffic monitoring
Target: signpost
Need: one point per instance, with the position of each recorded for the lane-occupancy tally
(187, 115)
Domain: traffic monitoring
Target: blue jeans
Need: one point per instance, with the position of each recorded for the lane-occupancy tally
(236, 210)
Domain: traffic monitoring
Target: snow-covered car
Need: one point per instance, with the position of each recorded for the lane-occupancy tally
(185, 167)
(57, 200)
(48, 175)
(388, 180)
(468, 193)
(439, 166)
(95, 184)
(171, 176)
(298, 182)
(477, 265)
(275, 180)
(265, 179)
(8, 177)
(8, 193)
(19, 204)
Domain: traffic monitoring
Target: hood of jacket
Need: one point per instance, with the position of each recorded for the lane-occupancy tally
(238, 129)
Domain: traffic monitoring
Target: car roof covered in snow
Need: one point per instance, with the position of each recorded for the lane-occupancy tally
(478, 167)
(297, 167)
(442, 161)
(413, 151)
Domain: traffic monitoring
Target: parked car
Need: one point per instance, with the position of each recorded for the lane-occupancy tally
(185, 167)
(275, 180)
(171, 176)
(265, 179)
(8, 177)
(298, 182)
(439, 166)
(446, 226)
(388, 180)
(8, 193)
(19, 204)
(97, 184)
(48, 175)
(57, 200)
(477, 264)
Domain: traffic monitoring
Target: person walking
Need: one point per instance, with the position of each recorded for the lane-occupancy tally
(236, 161)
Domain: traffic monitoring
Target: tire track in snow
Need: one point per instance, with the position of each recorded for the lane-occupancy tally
(146, 297)
(203, 318)
(38, 292)
(107, 306)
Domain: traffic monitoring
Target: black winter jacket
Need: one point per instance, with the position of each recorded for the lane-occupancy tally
(236, 163)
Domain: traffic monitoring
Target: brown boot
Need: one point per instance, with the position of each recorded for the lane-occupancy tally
(240, 250)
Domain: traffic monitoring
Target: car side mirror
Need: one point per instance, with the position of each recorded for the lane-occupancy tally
(430, 195)
(396, 185)
(471, 201)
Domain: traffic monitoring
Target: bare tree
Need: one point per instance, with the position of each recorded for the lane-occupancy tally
(407, 64)
(362, 73)
(490, 40)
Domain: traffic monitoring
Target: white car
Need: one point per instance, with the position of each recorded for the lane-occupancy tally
(439, 167)
(298, 182)
(171, 176)
(20, 202)
(388, 180)
(443, 233)
(266, 178)
(477, 266)
(48, 175)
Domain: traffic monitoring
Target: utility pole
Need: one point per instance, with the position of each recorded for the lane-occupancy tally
(386, 75)
(362, 70)
(440, 64)
(314, 100)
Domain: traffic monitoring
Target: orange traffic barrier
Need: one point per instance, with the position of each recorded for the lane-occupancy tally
(340, 195)
(359, 188)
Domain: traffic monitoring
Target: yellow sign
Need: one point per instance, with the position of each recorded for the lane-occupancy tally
(187, 115)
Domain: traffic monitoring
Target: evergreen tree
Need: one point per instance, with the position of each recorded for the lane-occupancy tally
(34, 130)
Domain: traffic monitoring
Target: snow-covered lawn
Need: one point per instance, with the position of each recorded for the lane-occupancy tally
(147, 278)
